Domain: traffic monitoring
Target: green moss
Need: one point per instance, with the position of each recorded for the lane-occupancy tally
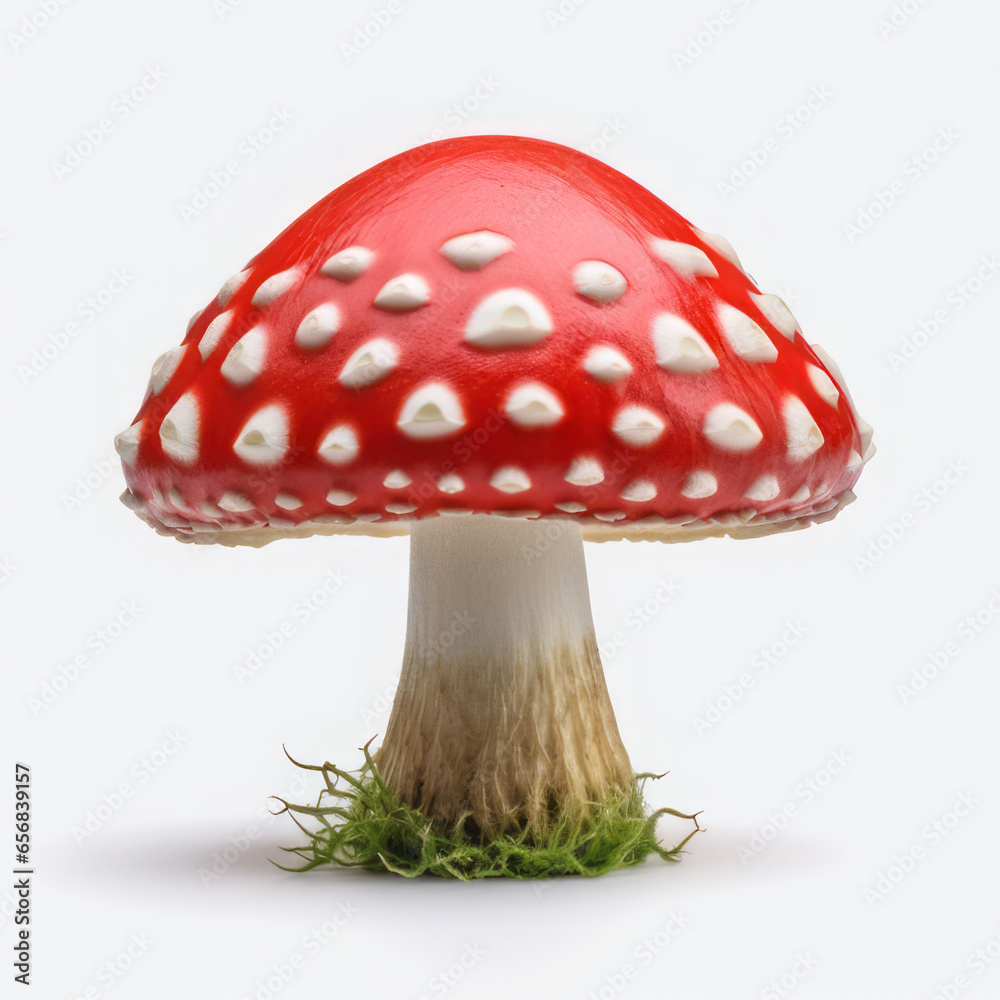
(357, 822)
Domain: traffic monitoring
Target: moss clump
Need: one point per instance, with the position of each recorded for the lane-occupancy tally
(361, 824)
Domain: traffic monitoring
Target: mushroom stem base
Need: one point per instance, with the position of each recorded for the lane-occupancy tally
(502, 718)
(358, 822)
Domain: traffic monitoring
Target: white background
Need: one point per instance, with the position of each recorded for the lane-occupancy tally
(872, 596)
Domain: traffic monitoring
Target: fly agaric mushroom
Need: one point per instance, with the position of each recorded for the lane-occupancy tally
(502, 347)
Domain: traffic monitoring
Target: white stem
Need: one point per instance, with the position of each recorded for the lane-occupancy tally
(502, 712)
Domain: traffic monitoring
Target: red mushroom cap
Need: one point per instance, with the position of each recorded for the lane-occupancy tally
(492, 324)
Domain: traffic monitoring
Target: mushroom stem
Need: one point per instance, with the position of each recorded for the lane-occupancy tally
(502, 714)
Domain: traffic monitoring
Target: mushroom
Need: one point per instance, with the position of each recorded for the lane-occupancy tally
(502, 347)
